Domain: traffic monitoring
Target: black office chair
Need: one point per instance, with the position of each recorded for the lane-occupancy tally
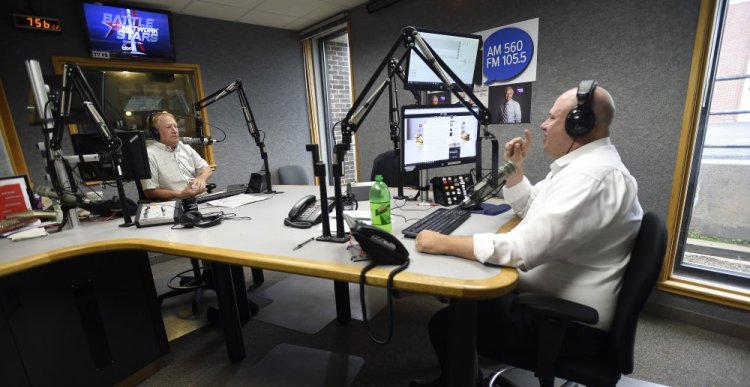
(554, 315)
(385, 164)
(196, 279)
(293, 174)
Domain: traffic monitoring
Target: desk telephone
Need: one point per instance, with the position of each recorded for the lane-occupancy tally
(383, 249)
(306, 212)
(381, 246)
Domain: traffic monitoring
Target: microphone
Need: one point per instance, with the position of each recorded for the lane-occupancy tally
(197, 140)
(49, 192)
(484, 187)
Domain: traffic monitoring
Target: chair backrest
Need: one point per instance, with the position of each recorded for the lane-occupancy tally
(141, 196)
(385, 164)
(640, 277)
(293, 174)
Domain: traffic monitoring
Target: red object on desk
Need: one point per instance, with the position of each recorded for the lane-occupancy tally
(11, 200)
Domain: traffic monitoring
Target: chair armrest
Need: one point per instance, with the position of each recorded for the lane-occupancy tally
(552, 307)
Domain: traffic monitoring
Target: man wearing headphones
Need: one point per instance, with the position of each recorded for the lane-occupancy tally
(177, 170)
(574, 241)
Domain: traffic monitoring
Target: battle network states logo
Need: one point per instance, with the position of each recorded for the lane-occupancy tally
(132, 30)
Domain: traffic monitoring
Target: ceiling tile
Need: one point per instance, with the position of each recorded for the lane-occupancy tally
(214, 11)
(324, 11)
(289, 7)
(267, 19)
(175, 6)
(246, 4)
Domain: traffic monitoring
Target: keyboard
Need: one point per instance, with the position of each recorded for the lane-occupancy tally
(442, 220)
(220, 195)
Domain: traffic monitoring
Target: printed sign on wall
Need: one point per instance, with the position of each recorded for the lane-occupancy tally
(509, 53)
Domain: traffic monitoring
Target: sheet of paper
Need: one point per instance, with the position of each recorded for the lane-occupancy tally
(236, 200)
(28, 234)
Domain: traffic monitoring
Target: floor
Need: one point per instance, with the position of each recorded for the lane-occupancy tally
(667, 353)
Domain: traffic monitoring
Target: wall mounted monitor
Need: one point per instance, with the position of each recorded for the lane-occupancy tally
(437, 136)
(119, 32)
(460, 52)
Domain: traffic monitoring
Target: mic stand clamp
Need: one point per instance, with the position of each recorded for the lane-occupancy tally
(319, 169)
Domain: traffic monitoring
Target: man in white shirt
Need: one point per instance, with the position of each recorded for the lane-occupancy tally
(177, 170)
(510, 110)
(574, 241)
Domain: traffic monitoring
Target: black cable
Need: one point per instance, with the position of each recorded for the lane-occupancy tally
(219, 129)
(389, 290)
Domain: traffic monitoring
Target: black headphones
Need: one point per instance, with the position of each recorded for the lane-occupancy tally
(580, 121)
(196, 219)
(150, 123)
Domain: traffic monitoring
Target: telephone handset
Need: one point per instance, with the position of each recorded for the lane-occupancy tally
(306, 212)
(380, 246)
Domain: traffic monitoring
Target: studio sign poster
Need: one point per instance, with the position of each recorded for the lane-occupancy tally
(509, 53)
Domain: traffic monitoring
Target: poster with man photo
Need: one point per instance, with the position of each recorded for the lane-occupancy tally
(510, 103)
(440, 98)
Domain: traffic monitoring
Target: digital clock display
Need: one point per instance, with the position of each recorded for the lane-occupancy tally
(39, 23)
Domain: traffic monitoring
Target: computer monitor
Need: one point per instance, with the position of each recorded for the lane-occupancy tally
(437, 136)
(134, 156)
(460, 52)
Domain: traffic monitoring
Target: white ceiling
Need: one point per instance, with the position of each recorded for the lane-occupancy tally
(293, 15)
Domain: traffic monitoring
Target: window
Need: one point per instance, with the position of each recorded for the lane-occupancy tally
(330, 95)
(710, 214)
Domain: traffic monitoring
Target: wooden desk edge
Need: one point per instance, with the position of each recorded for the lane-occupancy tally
(475, 289)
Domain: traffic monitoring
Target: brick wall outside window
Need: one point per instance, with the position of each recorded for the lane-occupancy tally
(339, 98)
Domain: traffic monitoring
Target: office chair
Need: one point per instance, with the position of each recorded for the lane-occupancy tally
(554, 315)
(385, 164)
(196, 279)
(293, 174)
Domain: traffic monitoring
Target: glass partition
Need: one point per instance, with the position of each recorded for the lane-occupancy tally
(129, 91)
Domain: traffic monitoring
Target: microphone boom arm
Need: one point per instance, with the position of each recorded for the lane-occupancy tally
(247, 114)
(364, 102)
(73, 78)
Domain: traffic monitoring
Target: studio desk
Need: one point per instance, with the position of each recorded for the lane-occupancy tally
(80, 306)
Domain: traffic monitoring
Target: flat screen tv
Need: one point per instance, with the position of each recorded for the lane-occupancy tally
(437, 136)
(459, 52)
(118, 32)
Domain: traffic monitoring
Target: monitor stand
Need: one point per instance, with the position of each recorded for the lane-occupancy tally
(424, 188)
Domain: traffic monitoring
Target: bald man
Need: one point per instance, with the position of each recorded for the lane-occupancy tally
(574, 241)
(510, 110)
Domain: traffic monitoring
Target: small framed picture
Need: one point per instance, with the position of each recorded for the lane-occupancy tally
(15, 195)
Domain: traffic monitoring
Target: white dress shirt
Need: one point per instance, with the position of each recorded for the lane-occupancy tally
(512, 112)
(172, 169)
(578, 228)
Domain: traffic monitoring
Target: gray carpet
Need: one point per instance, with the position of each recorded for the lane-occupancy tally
(667, 352)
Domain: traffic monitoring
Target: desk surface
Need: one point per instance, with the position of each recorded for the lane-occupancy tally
(265, 243)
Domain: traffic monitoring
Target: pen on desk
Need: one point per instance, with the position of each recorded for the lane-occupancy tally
(299, 246)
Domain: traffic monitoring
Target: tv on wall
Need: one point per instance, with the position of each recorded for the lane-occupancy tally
(118, 32)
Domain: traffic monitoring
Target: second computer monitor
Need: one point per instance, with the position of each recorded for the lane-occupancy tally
(437, 136)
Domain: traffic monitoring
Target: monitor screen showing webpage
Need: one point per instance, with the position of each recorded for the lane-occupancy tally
(458, 51)
(438, 136)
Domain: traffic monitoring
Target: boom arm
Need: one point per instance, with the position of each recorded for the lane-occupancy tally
(247, 113)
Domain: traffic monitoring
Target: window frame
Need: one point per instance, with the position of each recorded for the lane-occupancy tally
(711, 288)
